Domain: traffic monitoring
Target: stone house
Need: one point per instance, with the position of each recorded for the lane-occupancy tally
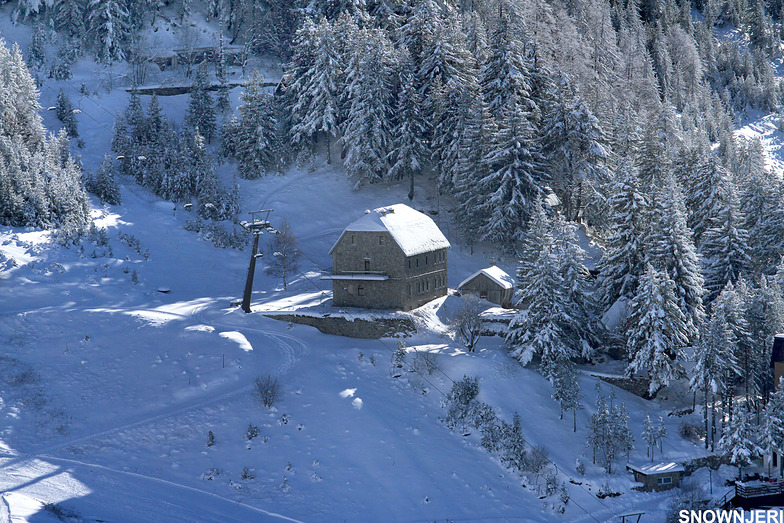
(491, 284)
(658, 476)
(391, 258)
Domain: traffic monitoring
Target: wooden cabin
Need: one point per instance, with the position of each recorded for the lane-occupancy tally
(491, 284)
(663, 475)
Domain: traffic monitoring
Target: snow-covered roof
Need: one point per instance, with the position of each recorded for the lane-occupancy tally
(494, 273)
(413, 231)
(661, 467)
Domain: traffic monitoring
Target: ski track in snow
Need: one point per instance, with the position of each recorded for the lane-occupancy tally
(168, 483)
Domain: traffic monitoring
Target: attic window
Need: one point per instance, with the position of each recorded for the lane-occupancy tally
(353, 240)
(381, 240)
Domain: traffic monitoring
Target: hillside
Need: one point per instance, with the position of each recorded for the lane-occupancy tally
(127, 378)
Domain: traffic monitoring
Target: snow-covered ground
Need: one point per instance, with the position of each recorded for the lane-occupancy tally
(109, 388)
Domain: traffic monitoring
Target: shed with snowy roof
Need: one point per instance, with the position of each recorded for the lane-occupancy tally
(393, 257)
(491, 284)
(658, 476)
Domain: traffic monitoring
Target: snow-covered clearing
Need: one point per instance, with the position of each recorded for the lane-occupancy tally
(109, 388)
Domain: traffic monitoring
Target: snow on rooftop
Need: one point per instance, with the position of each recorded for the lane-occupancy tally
(658, 468)
(413, 231)
(496, 274)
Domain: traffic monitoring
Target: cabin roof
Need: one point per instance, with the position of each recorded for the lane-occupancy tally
(661, 467)
(412, 230)
(496, 274)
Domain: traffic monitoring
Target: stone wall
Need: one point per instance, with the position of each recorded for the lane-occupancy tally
(356, 328)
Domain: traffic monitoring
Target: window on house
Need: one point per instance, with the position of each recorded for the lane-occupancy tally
(353, 240)
(417, 264)
(665, 481)
(425, 260)
(483, 295)
(775, 459)
(409, 263)
(367, 265)
(360, 290)
(427, 285)
(381, 240)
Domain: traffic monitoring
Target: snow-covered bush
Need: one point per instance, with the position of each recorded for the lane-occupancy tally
(268, 390)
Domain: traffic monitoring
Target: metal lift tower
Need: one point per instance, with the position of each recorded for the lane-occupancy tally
(259, 223)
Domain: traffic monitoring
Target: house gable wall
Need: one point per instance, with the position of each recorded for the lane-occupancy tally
(412, 281)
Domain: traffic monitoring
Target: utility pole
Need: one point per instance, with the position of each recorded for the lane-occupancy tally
(259, 223)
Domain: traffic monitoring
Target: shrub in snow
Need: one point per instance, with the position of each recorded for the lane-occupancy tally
(268, 390)
(210, 439)
(467, 324)
(247, 473)
(252, 432)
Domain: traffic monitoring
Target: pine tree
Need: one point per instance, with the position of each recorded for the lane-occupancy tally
(715, 365)
(222, 104)
(321, 107)
(505, 74)
(772, 426)
(566, 390)
(657, 330)
(649, 435)
(623, 260)
(576, 149)
(513, 182)
(105, 186)
(108, 28)
(408, 152)
(65, 113)
(725, 250)
(739, 441)
(201, 114)
(669, 247)
(69, 16)
(367, 132)
(253, 139)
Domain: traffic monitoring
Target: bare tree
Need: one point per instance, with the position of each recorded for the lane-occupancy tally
(467, 323)
(285, 254)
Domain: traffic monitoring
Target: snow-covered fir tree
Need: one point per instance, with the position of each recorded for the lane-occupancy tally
(514, 180)
(408, 153)
(566, 390)
(725, 249)
(576, 149)
(739, 441)
(715, 366)
(201, 113)
(669, 247)
(623, 261)
(319, 104)
(65, 113)
(105, 185)
(367, 131)
(252, 139)
(657, 330)
(772, 426)
(108, 28)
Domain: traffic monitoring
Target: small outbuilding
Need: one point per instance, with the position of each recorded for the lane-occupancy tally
(491, 284)
(658, 476)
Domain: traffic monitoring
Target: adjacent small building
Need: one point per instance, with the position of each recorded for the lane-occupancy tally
(491, 284)
(658, 476)
(393, 257)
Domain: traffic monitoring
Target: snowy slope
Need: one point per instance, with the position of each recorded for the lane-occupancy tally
(108, 388)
